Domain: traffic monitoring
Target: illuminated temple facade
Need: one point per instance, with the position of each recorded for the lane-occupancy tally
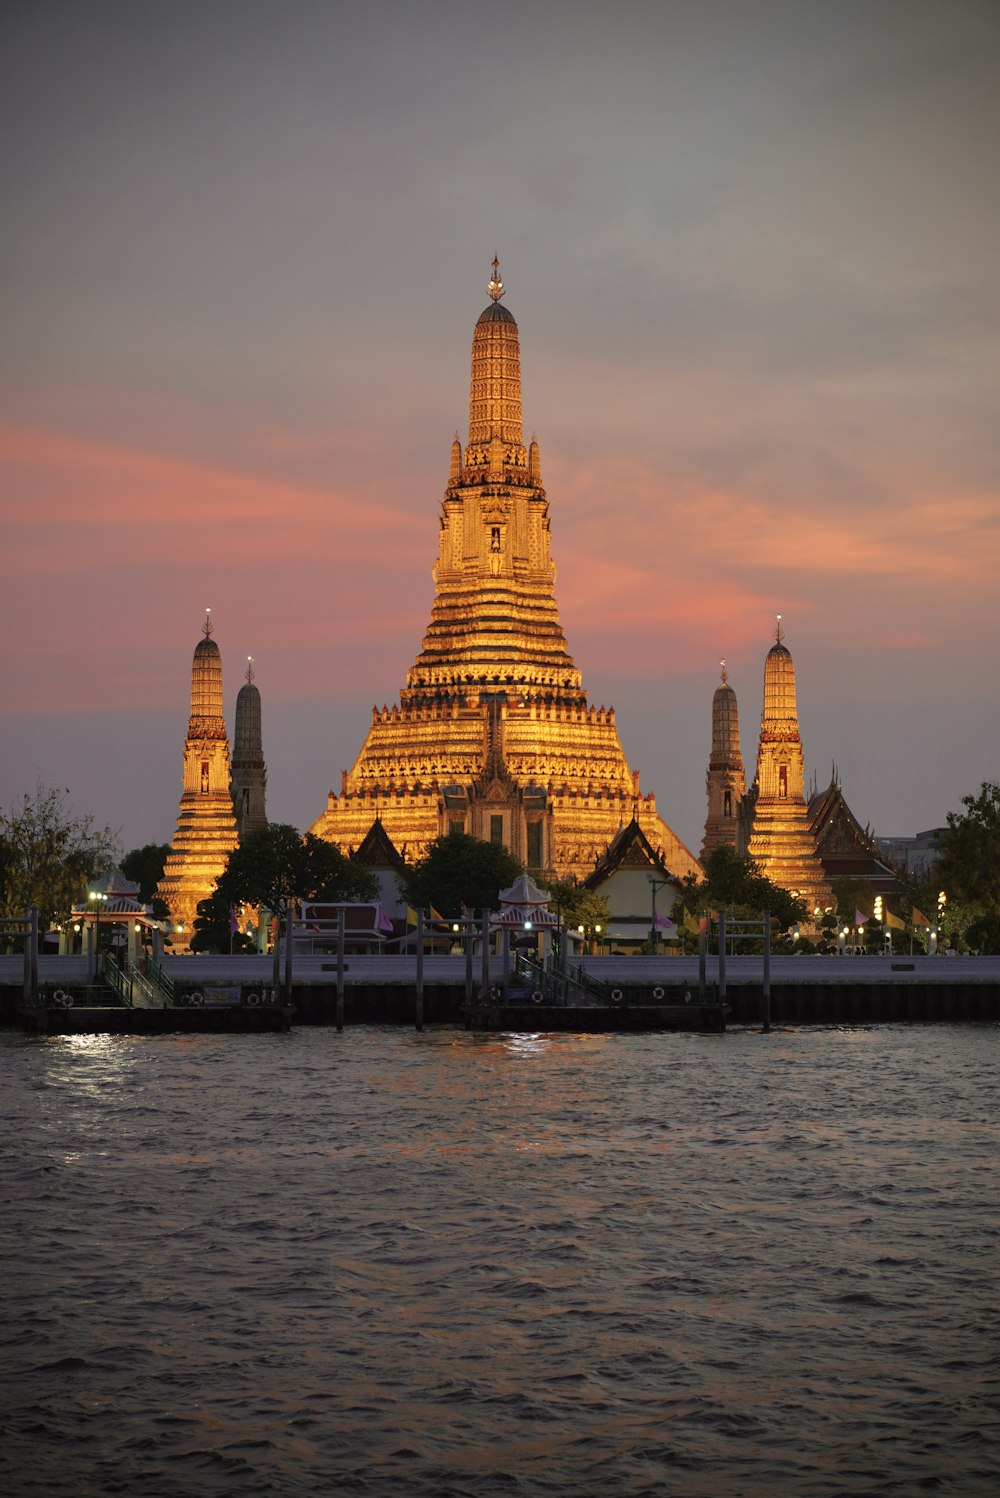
(778, 826)
(493, 734)
(206, 824)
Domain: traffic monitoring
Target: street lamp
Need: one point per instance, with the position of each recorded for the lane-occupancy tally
(97, 896)
(654, 885)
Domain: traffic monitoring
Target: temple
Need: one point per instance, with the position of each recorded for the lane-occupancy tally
(206, 825)
(248, 780)
(493, 734)
(777, 826)
(725, 783)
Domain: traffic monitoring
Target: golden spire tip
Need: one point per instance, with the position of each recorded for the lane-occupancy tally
(495, 287)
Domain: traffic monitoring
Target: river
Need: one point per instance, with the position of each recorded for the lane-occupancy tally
(443, 1264)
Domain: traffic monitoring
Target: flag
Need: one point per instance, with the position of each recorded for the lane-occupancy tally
(691, 923)
(917, 918)
(894, 922)
(859, 919)
(411, 916)
(436, 915)
(234, 924)
(665, 924)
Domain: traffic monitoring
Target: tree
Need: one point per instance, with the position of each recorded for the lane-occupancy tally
(576, 907)
(277, 867)
(213, 928)
(460, 870)
(735, 883)
(145, 867)
(47, 855)
(968, 866)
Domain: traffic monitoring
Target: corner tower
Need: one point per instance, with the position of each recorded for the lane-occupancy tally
(780, 829)
(493, 734)
(725, 782)
(206, 826)
(248, 782)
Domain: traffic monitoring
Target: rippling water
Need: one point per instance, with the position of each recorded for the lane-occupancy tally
(389, 1263)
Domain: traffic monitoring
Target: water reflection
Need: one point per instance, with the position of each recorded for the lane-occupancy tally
(447, 1263)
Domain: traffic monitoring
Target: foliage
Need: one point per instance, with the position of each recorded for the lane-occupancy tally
(460, 870)
(145, 867)
(213, 928)
(850, 895)
(734, 882)
(968, 866)
(575, 906)
(47, 856)
(277, 867)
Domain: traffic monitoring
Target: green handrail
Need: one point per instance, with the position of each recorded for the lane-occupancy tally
(165, 985)
(119, 981)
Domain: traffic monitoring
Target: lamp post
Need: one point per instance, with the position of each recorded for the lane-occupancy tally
(97, 897)
(942, 902)
(654, 885)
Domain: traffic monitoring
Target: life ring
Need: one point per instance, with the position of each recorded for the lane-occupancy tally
(494, 992)
(253, 998)
(616, 996)
(537, 996)
(196, 998)
(657, 994)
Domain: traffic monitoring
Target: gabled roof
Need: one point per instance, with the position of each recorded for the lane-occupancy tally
(629, 848)
(846, 849)
(377, 849)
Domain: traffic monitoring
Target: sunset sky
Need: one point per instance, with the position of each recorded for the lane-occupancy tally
(753, 250)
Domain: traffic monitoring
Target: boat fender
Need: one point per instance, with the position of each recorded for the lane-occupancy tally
(657, 993)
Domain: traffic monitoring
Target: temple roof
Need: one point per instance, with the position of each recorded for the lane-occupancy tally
(495, 313)
(630, 847)
(377, 849)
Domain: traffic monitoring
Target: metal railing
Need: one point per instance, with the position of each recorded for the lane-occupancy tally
(572, 978)
(120, 981)
(159, 986)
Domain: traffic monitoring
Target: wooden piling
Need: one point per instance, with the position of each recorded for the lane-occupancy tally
(420, 970)
(340, 968)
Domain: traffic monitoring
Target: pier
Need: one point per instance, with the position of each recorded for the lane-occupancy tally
(218, 992)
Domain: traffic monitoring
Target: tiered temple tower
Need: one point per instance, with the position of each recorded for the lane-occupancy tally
(249, 774)
(493, 734)
(780, 828)
(206, 827)
(725, 782)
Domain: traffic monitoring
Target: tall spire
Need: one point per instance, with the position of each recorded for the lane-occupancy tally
(248, 782)
(206, 827)
(493, 734)
(780, 834)
(725, 783)
(495, 388)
